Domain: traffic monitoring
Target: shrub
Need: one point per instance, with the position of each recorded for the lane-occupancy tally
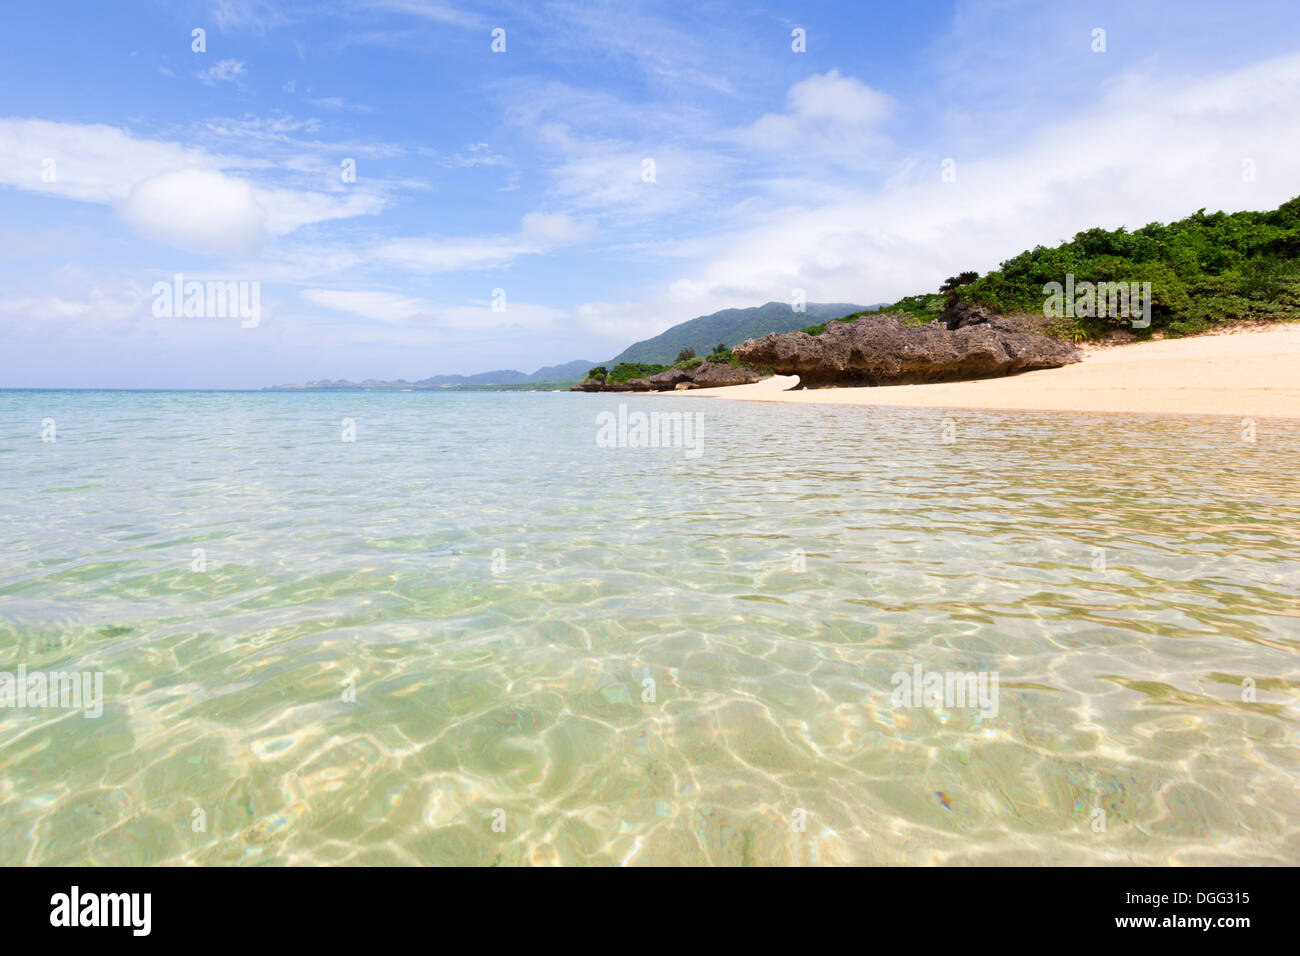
(625, 371)
(1203, 269)
(950, 285)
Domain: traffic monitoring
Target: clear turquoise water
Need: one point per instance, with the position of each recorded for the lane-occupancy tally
(514, 693)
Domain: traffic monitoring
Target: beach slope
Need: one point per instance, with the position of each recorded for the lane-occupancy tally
(1248, 372)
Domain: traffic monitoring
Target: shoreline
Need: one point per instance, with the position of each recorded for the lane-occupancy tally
(1248, 371)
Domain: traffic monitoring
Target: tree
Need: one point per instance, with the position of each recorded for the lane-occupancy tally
(953, 283)
(685, 354)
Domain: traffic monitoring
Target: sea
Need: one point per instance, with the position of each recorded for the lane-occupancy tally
(484, 628)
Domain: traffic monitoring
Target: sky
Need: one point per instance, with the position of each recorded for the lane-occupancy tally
(407, 200)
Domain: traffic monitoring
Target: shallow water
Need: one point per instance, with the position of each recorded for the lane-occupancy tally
(564, 653)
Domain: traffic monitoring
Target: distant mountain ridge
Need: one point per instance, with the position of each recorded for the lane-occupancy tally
(549, 375)
(729, 327)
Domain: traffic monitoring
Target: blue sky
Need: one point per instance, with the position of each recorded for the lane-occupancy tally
(126, 157)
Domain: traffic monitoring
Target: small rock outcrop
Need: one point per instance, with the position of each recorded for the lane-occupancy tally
(704, 375)
(720, 374)
(669, 379)
(965, 342)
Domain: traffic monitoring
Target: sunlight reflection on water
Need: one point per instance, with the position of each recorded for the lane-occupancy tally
(500, 591)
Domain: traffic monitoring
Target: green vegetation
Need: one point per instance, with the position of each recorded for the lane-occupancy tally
(722, 355)
(1203, 270)
(625, 371)
(951, 285)
(685, 355)
(599, 372)
(922, 308)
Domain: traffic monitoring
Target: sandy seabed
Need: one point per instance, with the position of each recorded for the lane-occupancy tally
(1251, 372)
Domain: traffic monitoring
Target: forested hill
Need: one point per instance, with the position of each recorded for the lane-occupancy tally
(1205, 269)
(730, 327)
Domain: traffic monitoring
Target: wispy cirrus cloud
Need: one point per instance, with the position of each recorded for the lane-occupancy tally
(392, 308)
(339, 103)
(433, 10)
(538, 233)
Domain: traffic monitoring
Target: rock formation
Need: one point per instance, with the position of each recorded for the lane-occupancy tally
(964, 342)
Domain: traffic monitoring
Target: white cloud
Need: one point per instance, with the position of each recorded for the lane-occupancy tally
(290, 209)
(667, 51)
(632, 161)
(446, 255)
(429, 10)
(553, 228)
(339, 103)
(95, 303)
(91, 162)
(794, 197)
(173, 193)
(223, 72)
(311, 262)
(538, 233)
(474, 155)
(391, 308)
(638, 183)
(197, 209)
(827, 115)
(840, 99)
(1153, 148)
(257, 16)
(376, 306)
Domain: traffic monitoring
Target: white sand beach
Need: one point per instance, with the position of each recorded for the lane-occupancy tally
(1248, 372)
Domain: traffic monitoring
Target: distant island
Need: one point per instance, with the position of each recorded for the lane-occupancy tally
(550, 377)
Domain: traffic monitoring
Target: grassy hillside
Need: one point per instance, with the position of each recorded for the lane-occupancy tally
(728, 327)
(1203, 270)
